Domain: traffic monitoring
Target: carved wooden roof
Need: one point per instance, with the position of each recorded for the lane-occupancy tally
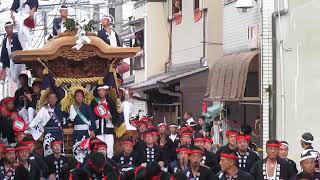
(61, 48)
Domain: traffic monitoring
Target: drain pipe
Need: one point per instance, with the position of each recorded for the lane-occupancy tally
(204, 36)
(169, 61)
(275, 15)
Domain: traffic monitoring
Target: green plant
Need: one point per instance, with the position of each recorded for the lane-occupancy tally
(70, 24)
(90, 26)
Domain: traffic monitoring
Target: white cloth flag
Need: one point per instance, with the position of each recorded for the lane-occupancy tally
(38, 123)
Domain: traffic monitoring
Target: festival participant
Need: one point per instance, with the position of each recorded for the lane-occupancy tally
(229, 168)
(8, 163)
(29, 110)
(58, 23)
(166, 145)
(147, 152)
(232, 142)
(208, 144)
(196, 170)
(308, 163)
(38, 159)
(125, 159)
(82, 117)
(174, 137)
(151, 171)
(185, 136)
(208, 158)
(306, 143)
(246, 157)
(107, 34)
(102, 148)
(106, 116)
(26, 170)
(272, 167)
(8, 102)
(182, 164)
(20, 94)
(7, 128)
(10, 44)
(25, 20)
(188, 118)
(56, 161)
(283, 153)
(127, 109)
(50, 118)
(98, 168)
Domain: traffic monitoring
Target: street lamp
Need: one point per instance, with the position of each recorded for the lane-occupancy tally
(244, 5)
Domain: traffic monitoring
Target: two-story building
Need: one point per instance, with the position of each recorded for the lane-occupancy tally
(179, 42)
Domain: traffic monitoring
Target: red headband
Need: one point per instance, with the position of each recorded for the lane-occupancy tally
(199, 140)
(229, 156)
(196, 152)
(148, 134)
(185, 134)
(274, 145)
(23, 148)
(27, 142)
(56, 142)
(156, 177)
(128, 143)
(183, 150)
(154, 133)
(230, 133)
(7, 100)
(8, 150)
(247, 138)
(2, 145)
(100, 145)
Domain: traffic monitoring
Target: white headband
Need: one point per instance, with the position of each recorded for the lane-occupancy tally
(285, 144)
(103, 87)
(9, 24)
(307, 141)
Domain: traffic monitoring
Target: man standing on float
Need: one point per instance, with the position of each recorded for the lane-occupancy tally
(105, 115)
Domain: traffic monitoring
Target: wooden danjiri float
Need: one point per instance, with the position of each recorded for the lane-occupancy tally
(63, 66)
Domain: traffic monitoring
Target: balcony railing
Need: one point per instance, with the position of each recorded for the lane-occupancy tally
(139, 3)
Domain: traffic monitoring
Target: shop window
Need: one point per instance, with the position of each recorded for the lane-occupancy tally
(177, 11)
(197, 11)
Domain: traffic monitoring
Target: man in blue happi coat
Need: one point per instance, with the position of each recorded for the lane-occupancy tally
(107, 34)
(83, 119)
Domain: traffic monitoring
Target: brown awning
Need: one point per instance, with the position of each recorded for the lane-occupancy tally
(228, 76)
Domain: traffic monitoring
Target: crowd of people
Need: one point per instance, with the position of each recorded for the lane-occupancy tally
(184, 151)
(159, 152)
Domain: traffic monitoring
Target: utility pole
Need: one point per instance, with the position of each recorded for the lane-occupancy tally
(96, 16)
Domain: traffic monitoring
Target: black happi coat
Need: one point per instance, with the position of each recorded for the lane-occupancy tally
(175, 167)
(40, 163)
(108, 172)
(9, 174)
(98, 120)
(168, 150)
(57, 165)
(144, 154)
(6, 129)
(259, 169)
(245, 162)
(203, 174)
(210, 159)
(19, 101)
(33, 173)
(241, 175)
(15, 45)
(123, 160)
(293, 165)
